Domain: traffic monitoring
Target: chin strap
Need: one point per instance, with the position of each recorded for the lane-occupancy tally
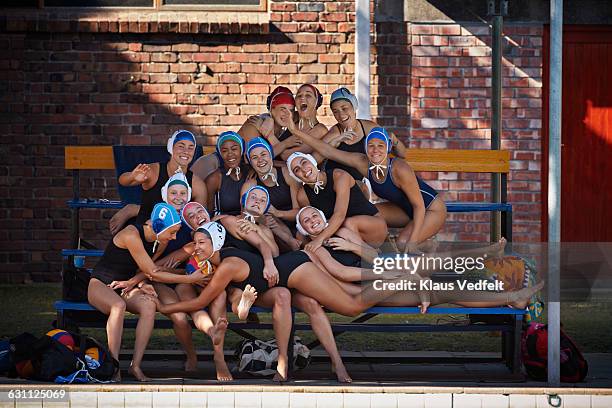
(379, 168)
(271, 176)
(155, 245)
(229, 172)
(318, 185)
(249, 217)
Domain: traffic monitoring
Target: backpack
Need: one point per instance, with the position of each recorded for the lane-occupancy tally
(75, 282)
(260, 357)
(534, 347)
(41, 358)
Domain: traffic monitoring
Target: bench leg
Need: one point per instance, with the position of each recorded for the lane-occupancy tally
(61, 324)
(516, 346)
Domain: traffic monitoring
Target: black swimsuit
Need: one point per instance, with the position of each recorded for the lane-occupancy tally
(256, 266)
(117, 264)
(326, 199)
(227, 199)
(153, 195)
(280, 196)
(352, 148)
(287, 263)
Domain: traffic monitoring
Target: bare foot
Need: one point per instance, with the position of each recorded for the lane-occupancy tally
(497, 250)
(191, 363)
(249, 295)
(138, 374)
(281, 372)
(219, 331)
(341, 373)
(430, 245)
(223, 373)
(520, 299)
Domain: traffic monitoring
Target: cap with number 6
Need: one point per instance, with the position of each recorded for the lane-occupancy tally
(164, 216)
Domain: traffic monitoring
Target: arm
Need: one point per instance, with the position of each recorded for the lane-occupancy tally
(221, 278)
(357, 160)
(405, 177)
(141, 175)
(317, 132)
(248, 131)
(199, 191)
(117, 222)
(213, 183)
(129, 239)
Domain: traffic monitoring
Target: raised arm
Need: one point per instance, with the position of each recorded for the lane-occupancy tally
(357, 160)
(141, 175)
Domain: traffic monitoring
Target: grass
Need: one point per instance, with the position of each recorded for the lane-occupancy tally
(30, 308)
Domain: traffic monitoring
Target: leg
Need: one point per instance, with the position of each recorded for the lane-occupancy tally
(279, 299)
(108, 302)
(322, 328)
(139, 303)
(373, 230)
(180, 324)
(518, 299)
(435, 217)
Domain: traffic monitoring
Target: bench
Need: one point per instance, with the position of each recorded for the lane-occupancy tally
(124, 158)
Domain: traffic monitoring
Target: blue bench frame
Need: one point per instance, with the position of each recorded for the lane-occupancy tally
(510, 327)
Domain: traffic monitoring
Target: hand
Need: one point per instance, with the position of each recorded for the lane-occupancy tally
(255, 121)
(313, 245)
(270, 274)
(140, 173)
(117, 221)
(198, 278)
(161, 308)
(246, 226)
(271, 222)
(340, 244)
(412, 248)
(147, 289)
(127, 286)
(341, 137)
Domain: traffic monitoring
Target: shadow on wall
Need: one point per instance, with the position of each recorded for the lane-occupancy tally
(104, 89)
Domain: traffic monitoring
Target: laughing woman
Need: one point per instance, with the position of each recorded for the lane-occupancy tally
(335, 193)
(412, 204)
(181, 146)
(110, 291)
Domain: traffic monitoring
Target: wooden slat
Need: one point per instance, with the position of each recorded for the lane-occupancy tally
(469, 161)
(89, 157)
(97, 157)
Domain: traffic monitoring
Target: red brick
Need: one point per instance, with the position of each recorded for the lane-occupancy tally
(256, 48)
(313, 48)
(255, 88)
(307, 16)
(336, 17)
(260, 78)
(283, 69)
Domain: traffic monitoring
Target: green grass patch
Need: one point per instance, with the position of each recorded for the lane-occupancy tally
(30, 308)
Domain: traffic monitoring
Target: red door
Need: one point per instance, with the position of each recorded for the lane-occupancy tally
(586, 152)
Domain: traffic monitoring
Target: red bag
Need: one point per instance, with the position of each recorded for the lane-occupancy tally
(534, 346)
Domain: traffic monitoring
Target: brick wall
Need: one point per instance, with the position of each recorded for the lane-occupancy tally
(101, 82)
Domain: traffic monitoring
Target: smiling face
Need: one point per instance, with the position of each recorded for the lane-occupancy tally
(306, 101)
(169, 234)
(183, 151)
(312, 222)
(344, 113)
(177, 196)
(304, 170)
(260, 159)
(230, 153)
(203, 245)
(256, 202)
(376, 150)
(282, 113)
(196, 215)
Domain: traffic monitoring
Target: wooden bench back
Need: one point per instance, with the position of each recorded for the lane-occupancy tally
(470, 161)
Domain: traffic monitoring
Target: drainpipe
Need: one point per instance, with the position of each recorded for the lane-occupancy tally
(362, 58)
(554, 190)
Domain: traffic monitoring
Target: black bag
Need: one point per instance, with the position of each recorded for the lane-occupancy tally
(75, 282)
(92, 347)
(52, 359)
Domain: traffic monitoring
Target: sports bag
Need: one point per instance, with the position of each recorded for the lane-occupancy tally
(259, 357)
(534, 347)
